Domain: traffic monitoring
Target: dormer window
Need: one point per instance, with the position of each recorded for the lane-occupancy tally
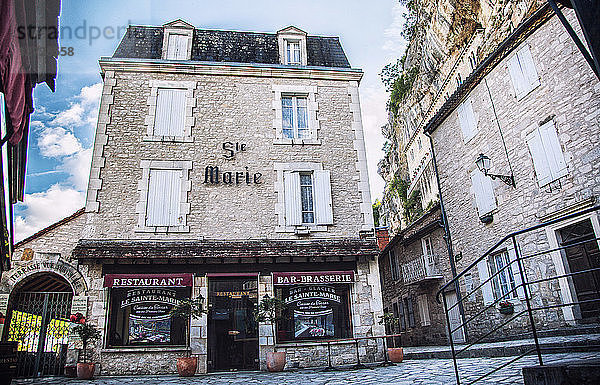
(292, 46)
(177, 40)
(292, 52)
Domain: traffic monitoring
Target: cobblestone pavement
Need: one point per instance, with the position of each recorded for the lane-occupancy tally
(430, 372)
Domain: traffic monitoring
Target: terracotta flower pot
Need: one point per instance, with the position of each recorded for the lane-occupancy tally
(85, 370)
(275, 361)
(186, 366)
(71, 370)
(395, 354)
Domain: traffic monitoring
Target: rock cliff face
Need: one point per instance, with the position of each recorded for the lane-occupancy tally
(448, 39)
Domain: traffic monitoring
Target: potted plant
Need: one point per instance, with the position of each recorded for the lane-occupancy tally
(506, 307)
(186, 308)
(391, 322)
(270, 310)
(87, 333)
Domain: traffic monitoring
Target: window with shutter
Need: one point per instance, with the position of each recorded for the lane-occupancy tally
(467, 120)
(409, 311)
(307, 196)
(394, 266)
(177, 47)
(293, 205)
(484, 192)
(170, 112)
(522, 72)
(504, 282)
(323, 204)
(164, 189)
(423, 310)
(546, 152)
(486, 286)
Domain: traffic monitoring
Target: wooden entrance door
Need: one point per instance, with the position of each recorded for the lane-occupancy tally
(455, 319)
(582, 253)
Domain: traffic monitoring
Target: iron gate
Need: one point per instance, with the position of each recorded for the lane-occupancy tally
(39, 323)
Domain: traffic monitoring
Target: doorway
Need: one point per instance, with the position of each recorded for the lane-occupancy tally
(582, 253)
(39, 322)
(455, 319)
(232, 330)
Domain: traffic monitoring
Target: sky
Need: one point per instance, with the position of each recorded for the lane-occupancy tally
(63, 124)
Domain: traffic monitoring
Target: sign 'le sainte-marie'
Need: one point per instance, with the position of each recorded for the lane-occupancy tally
(214, 175)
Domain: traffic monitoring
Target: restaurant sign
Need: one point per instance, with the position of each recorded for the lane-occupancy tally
(147, 280)
(326, 277)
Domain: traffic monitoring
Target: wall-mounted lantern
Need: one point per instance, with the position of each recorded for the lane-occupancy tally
(484, 164)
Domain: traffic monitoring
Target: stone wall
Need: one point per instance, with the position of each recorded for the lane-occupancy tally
(407, 248)
(237, 109)
(568, 94)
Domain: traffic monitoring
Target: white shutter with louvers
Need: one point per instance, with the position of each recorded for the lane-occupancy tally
(323, 204)
(554, 154)
(484, 192)
(530, 74)
(540, 161)
(486, 289)
(517, 76)
(164, 189)
(293, 206)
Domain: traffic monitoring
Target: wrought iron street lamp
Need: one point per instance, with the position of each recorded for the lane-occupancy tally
(484, 163)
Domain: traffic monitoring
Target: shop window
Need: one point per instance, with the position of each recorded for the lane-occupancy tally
(139, 316)
(522, 71)
(546, 152)
(314, 312)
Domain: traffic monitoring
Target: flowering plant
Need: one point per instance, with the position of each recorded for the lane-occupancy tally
(77, 318)
(505, 303)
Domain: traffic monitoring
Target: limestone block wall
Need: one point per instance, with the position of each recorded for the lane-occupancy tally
(233, 109)
(568, 94)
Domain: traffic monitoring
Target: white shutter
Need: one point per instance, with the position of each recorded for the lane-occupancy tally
(529, 72)
(466, 119)
(323, 205)
(540, 161)
(177, 47)
(293, 206)
(484, 192)
(486, 289)
(170, 112)
(517, 76)
(554, 154)
(164, 189)
(514, 266)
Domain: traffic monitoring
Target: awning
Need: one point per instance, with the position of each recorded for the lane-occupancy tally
(313, 277)
(148, 280)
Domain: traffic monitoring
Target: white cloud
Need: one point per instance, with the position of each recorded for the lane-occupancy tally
(45, 208)
(56, 142)
(58, 138)
(374, 114)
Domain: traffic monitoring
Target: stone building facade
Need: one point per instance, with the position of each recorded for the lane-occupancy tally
(228, 166)
(532, 108)
(412, 271)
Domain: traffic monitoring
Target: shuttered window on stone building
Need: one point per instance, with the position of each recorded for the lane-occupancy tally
(301, 198)
(423, 306)
(409, 311)
(467, 120)
(164, 190)
(483, 190)
(394, 265)
(522, 71)
(546, 152)
(177, 47)
(170, 112)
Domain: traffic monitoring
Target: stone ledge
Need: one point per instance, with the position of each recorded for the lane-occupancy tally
(146, 349)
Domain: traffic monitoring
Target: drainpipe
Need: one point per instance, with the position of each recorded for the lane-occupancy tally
(447, 237)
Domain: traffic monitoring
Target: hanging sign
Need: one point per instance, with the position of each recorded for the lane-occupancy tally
(313, 277)
(147, 280)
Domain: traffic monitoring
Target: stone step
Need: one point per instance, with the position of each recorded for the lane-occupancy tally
(556, 344)
(563, 373)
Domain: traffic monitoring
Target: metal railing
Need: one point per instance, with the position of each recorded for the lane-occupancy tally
(530, 300)
(421, 268)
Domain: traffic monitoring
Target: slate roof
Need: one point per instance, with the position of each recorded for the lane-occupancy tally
(230, 46)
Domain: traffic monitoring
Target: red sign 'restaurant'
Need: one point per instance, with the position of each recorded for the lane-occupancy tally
(147, 280)
(313, 277)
